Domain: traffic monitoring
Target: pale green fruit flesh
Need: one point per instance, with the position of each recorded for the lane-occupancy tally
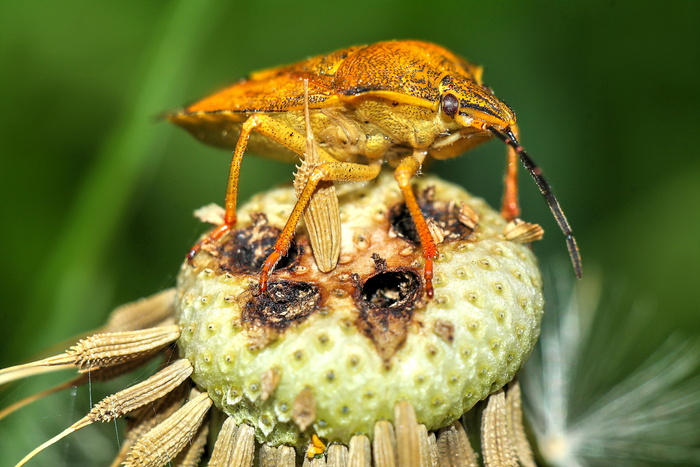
(358, 359)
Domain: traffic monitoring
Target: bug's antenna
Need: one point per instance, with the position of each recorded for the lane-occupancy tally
(509, 138)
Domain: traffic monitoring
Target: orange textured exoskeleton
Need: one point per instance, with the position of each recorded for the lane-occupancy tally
(395, 102)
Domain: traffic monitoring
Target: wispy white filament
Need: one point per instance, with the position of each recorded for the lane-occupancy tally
(651, 416)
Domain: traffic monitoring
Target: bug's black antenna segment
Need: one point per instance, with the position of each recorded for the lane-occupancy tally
(509, 138)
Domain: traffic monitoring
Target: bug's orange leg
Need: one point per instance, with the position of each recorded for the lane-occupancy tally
(403, 175)
(510, 208)
(327, 171)
(231, 188)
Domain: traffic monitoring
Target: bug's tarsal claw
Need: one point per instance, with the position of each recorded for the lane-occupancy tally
(193, 252)
(428, 274)
(212, 237)
(266, 271)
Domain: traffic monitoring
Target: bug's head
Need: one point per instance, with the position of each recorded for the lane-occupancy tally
(473, 105)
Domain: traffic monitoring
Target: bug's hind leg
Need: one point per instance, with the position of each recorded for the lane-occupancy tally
(510, 208)
(403, 175)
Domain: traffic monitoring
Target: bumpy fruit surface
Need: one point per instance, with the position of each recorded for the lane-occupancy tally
(333, 353)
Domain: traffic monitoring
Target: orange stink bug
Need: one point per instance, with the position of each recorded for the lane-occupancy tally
(395, 102)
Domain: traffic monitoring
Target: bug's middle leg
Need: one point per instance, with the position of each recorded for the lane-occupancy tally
(403, 175)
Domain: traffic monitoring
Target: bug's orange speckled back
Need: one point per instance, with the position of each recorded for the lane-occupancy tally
(407, 68)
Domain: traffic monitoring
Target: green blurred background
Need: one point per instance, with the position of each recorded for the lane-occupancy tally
(97, 193)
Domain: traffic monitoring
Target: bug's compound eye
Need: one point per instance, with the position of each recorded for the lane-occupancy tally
(450, 104)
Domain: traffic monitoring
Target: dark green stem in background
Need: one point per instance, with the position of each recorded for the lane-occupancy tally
(70, 283)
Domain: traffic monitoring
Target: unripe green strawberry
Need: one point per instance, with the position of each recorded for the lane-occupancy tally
(332, 353)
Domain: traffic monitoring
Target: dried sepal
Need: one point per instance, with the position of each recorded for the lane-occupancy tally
(314, 461)
(192, 453)
(268, 454)
(243, 447)
(160, 445)
(147, 312)
(516, 430)
(322, 219)
(144, 419)
(46, 365)
(337, 455)
(428, 447)
(145, 392)
(113, 348)
(503, 438)
(125, 401)
(454, 449)
(408, 440)
(235, 447)
(287, 456)
(113, 371)
(496, 445)
(100, 374)
(359, 452)
(277, 456)
(144, 313)
(519, 231)
(111, 368)
(384, 444)
(223, 448)
(99, 351)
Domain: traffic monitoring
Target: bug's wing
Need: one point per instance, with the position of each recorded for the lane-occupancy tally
(274, 94)
(321, 67)
(217, 119)
(281, 88)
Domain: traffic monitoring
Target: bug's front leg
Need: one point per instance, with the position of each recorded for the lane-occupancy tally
(403, 175)
(510, 208)
(231, 188)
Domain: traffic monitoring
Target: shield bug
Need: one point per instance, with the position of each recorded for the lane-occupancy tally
(395, 102)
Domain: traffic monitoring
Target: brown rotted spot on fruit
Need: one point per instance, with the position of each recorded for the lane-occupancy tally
(245, 250)
(285, 303)
(386, 301)
(447, 216)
